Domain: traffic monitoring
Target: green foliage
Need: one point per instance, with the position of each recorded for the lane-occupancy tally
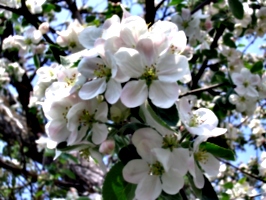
(114, 186)
(228, 41)
(128, 153)
(69, 173)
(217, 151)
(257, 67)
(236, 8)
(166, 117)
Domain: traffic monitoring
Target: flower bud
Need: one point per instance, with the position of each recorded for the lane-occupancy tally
(107, 147)
(44, 27)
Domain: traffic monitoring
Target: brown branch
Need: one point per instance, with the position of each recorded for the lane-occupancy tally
(159, 5)
(214, 44)
(72, 6)
(200, 6)
(150, 12)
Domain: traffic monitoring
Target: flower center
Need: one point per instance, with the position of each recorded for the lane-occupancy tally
(242, 99)
(201, 156)
(72, 44)
(28, 41)
(246, 84)
(102, 71)
(149, 74)
(86, 119)
(170, 142)
(195, 121)
(71, 80)
(64, 114)
(156, 169)
(185, 24)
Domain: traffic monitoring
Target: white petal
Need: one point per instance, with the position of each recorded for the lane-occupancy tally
(130, 62)
(163, 94)
(196, 173)
(172, 182)
(99, 133)
(102, 111)
(211, 166)
(164, 157)
(92, 88)
(134, 93)
(57, 130)
(180, 158)
(135, 170)
(88, 36)
(172, 67)
(113, 91)
(88, 65)
(146, 51)
(148, 134)
(144, 148)
(149, 188)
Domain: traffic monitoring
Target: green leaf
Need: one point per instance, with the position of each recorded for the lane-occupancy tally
(228, 41)
(175, 2)
(156, 117)
(68, 156)
(130, 128)
(208, 192)
(62, 146)
(64, 61)
(228, 185)
(168, 115)
(114, 186)
(236, 8)
(48, 7)
(257, 67)
(83, 198)
(128, 153)
(217, 151)
(165, 196)
(69, 173)
(197, 191)
(90, 18)
(36, 61)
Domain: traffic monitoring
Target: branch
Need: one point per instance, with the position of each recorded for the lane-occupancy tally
(243, 171)
(75, 12)
(159, 5)
(204, 3)
(214, 44)
(199, 90)
(150, 12)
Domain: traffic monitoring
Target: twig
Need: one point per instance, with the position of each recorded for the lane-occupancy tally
(204, 3)
(243, 171)
(199, 90)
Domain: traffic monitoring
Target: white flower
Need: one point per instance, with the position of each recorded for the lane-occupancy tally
(202, 122)
(151, 179)
(157, 73)
(88, 117)
(35, 6)
(101, 73)
(246, 83)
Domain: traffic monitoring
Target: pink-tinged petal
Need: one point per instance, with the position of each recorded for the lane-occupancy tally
(120, 76)
(196, 173)
(180, 160)
(99, 46)
(76, 136)
(164, 157)
(130, 62)
(57, 130)
(102, 111)
(211, 166)
(172, 182)
(133, 28)
(135, 170)
(255, 80)
(110, 63)
(146, 51)
(92, 88)
(148, 134)
(112, 20)
(88, 36)
(113, 91)
(251, 91)
(149, 188)
(126, 14)
(163, 94)
(134, 93)
(172, 67)
(113, 44)
(88, 65)
(99, 133)
(180, 41)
